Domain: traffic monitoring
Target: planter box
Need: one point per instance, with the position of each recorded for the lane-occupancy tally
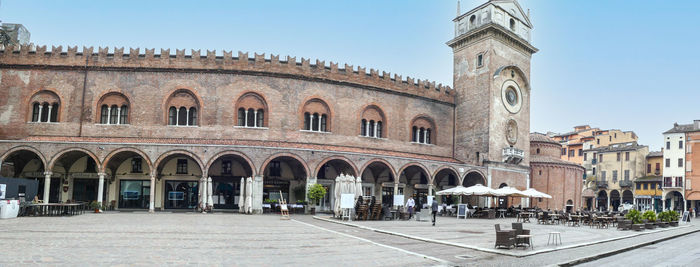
(638, 227)
(663, 224)
(650, 225)
(674, 223)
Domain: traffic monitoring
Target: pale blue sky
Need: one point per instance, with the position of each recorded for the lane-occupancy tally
(622, 64)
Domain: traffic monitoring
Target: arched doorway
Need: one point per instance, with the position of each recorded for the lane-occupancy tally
(282, 175)
(473, 178)
(129, 175)
(178, 175)
(569, 205)
(26, 163)
(326, 173)
(627, 197)
(602, 200)
(615, 200)
(379, 174)
(226, 172)
(445, 179)
(79, 180)
(675, 201)
(416, 181)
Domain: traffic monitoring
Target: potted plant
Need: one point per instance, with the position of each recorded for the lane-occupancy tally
(663, 219)
(650, 217)
(316, 193)
(673, 217)
(636, 217)
(95, 206)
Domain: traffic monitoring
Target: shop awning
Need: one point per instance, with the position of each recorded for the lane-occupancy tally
(695, 195)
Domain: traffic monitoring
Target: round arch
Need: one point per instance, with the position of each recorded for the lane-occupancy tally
(232, 153)
(284, 154)
(320, 100)
(98, 102)
(474, 174)
(443, 168)
(27, 148)
(64, 151)
(516, 68)
(199, 104)
(109, 156)
(381, 161)
(341, 158)
(175, 152)
(423, 168)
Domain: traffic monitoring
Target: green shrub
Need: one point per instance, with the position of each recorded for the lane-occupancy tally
(316, 192)
(95, 205)
(673, 215)
(635, 216)
(649, 215)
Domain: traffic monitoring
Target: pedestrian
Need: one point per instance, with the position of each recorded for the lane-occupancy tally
(410, 204)
(434, 209)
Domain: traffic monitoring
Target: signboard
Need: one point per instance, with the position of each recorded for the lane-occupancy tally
(398, 200)
(462, 210)
(347, 201)
(129, 195)
(283, 207)
(686, 216)
(430, 201)
(3, 187)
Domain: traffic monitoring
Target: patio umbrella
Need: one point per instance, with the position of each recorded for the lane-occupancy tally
(531, 192)
(480, 190)
(249, 196)
(510, 192)
(337, 190)
(210, 192)
(454, 191)
(241, 199)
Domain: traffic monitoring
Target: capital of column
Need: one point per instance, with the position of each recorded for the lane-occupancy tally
(101, 175)
(48, 173)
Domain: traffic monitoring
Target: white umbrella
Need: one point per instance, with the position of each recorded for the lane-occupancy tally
(210, 192)
(241, 199)
(249, 196)
(337, 192)
(358, 187)
(456, 191)
(531, 192)
(510, 192)
(480, 190)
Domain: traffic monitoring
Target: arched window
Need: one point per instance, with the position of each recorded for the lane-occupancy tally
(512, 24)
(124, 114)
(251, 110)
(307, 121)
(113, 114)
(104, 114)
(183, 108)
(363, 127)
(114, 109)
(316, 116)
(182, 116)
(261, 118)
(45, 107)
(172, 116)
(423, 130)
(192, 119)
(373, 117)
(538, 151)
(36, 110)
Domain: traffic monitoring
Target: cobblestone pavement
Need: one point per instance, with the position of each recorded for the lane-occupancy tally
(682, 251)
(142, 239)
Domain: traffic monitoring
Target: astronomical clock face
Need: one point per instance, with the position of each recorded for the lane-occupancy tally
(512, 97)
(512, 132)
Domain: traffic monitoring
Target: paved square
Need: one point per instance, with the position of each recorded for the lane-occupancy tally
(142, 239)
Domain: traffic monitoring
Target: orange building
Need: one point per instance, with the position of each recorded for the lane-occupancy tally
(692, 174)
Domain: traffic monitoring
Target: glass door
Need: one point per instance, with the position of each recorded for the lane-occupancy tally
(134, 194)
(181, 194)
(84, 190)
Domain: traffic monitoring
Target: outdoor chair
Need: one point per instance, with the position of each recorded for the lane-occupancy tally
(518, 227)
(544, 218)
(523, 241)
(504, 238)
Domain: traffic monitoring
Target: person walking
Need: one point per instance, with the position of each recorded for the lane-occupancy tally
(434, 209)
(410, 204)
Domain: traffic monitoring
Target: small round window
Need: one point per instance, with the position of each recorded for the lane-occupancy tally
(511, 96)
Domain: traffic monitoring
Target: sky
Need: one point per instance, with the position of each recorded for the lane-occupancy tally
(623, 64)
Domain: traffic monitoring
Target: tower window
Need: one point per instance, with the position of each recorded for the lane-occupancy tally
(512, 24)
(480, 60)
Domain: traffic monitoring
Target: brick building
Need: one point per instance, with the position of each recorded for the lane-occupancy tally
(142, 130)
(561, 179)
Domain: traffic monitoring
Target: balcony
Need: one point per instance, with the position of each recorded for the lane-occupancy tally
(513, 155)
(601, 184)
(626, 183)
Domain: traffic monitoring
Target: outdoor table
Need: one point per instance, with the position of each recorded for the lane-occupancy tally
(525, 216)
(552, 217)
(502, 213)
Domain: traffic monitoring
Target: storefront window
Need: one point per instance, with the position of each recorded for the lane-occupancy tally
(226, 192)
(181, 194)
(134, 194)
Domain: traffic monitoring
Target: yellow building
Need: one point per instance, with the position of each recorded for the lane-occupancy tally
(584, 137)
(648, 191)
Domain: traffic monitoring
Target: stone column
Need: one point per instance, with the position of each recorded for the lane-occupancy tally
(47, 186)
(608, 207)
(527, 200)
(109, 115)
(203, 193)
(177, 117)
(187, 116)
(41, 107)
(255, 118)
(366, 128)
(375, 130)
(152, 198)
(488, 182)
(101, 188)
(422, 136)
(48, 118)
(396, 191)
(319, 122)
(246, 118)
(119, 115)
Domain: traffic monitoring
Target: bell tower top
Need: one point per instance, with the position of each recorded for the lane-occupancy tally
(506, 15)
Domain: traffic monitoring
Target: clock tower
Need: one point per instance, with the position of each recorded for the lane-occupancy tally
(492, 53)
